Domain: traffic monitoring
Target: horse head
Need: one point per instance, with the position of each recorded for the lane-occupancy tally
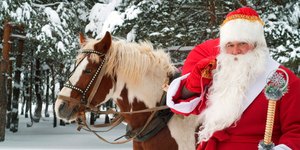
(79, 91)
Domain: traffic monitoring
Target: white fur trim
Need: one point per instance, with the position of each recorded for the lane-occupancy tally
(184, 107)
(277, 147)
(242, 30)
(256, 87)
(281, 147)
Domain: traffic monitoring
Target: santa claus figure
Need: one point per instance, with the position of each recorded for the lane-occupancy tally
(223, 82)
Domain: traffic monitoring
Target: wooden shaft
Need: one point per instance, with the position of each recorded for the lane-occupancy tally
(270, 122)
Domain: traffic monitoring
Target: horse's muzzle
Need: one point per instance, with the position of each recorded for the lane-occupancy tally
(65, 111)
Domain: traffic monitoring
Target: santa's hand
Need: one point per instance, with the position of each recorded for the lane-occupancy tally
(201, 75)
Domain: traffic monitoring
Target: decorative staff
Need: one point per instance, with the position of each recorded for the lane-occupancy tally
(275, 89)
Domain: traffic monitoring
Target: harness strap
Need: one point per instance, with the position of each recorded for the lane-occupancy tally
(155, 126)
(96, 85)
(116, 121)
(111, 111)
(159, 121)
(83, 121)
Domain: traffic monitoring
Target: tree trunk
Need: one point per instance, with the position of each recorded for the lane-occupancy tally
(53, 94)
(92, 118)
(278, 2)
(39, 104)
(5, 58)
(9, 96)
(61, 85)
(17, 83)
(23, 102)
(212, 10)
(26, 94)
(258, 3)
(4, 64)
(243, 2)
(47, 93)
(2, 100)
(30, 95)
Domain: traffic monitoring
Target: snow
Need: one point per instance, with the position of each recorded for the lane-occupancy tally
(131, 12)
(104, 17)
(27, 9)
(60, 46)
(131, 35)
(111, 22)
(52, 15)
(4, 5)
(47, 30)
(99, 14)
(42, 135)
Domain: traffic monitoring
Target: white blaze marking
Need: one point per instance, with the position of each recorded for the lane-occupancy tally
(75, 77)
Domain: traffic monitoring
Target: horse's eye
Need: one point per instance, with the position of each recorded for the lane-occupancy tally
(87, 71)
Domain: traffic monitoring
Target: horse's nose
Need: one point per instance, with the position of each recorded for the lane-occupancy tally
(64, 110)
(61, 107)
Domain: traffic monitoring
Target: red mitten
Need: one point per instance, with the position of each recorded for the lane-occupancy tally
(201, 75)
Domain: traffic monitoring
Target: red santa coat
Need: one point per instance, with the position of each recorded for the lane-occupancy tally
(249, 129)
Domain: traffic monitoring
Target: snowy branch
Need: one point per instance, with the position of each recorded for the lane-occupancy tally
(18, 36)
(45, 5)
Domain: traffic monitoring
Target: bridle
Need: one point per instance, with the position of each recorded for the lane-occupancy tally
(98, 75)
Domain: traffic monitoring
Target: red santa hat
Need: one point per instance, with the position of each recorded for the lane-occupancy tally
(243, 24)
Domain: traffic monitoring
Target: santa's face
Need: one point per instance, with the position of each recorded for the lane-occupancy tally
(231, 81)
(238, 47)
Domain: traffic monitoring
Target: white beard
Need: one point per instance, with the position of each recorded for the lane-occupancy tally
(231, 80)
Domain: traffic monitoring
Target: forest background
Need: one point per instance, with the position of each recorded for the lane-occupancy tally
(43, 39)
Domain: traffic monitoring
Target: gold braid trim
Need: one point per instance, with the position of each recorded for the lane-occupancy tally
(245, 17)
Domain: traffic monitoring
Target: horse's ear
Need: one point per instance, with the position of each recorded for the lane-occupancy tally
(104, 44)
(82, 39)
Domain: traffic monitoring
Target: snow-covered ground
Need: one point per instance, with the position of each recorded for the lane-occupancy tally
(42, 135)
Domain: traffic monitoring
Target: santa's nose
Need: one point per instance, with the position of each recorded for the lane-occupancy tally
(236, 50)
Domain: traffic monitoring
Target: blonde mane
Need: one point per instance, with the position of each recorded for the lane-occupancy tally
(135, 60)
(129, 59)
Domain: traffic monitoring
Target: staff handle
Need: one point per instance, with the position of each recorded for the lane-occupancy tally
(270, 122)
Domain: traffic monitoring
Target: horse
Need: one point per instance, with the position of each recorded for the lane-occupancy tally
(131, 74)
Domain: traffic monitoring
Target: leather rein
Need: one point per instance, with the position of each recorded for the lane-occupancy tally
(82, 123)
(85, 106)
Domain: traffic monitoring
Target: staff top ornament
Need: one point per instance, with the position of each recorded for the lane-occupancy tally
(277, 85)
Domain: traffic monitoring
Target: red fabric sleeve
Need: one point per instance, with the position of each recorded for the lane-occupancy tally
(290, 113)
(177, 99)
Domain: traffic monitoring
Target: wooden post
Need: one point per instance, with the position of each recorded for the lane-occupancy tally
(4, 66)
